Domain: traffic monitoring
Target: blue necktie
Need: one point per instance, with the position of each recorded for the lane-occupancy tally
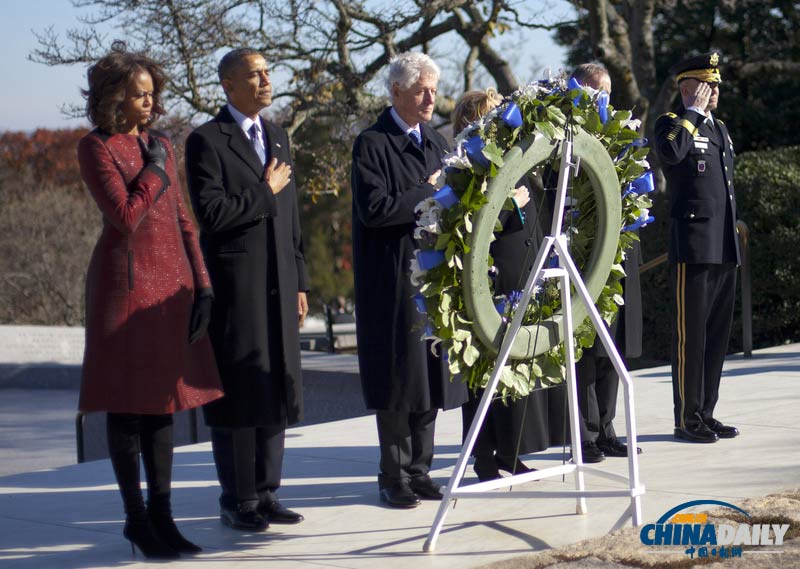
(416, 137)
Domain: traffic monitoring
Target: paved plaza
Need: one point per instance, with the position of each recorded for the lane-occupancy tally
(54, 514)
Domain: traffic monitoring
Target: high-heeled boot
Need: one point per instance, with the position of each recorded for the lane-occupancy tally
(141, 533)
(122, 431)
(164, 526)
(156, 440)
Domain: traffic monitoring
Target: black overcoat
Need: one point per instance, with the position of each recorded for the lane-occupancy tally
(514, 427)
(697, 159)
(253, 248)
(389, 179)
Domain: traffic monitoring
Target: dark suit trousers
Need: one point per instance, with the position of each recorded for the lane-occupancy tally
(702, 314)
(249, 463)
(406, 443)
(598, 384)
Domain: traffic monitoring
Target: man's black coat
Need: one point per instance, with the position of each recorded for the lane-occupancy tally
(389, 179)
(253, 248)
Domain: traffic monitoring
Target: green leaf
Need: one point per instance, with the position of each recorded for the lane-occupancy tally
(471, 355)
(493, 154)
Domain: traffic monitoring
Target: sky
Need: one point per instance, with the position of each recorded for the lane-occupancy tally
(32, 94)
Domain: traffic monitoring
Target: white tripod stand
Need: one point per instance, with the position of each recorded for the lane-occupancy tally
(566, 274)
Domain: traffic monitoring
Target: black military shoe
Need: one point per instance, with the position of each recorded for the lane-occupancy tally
(698, 433)
(723, 431)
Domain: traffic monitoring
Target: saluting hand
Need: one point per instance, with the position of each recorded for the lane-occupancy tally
(699, 98)
(277, 175)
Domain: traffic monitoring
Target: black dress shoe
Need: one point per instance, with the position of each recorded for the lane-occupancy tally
(612, 447)
(591, 453)
(514, 466)
(698, 433)
(723, 431)
(276, 513)
(399, 495)
(486, 468)
(245, 520)
(426, 488)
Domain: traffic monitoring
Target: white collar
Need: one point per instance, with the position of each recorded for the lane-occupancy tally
(403, 124)
(243, 121)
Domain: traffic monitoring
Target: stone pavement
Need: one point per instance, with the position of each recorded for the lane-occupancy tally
(71, 517)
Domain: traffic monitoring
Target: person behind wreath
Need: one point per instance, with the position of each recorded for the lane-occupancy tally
(696, 152)
(148, 295)
(396, 163)
(510, 428)
(239, 170)
(597, 380)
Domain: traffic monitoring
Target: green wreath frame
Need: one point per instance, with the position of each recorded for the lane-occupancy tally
(535, 339)
(456, 293)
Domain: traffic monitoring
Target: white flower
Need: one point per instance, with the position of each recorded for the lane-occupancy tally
(417, 274)
(429, 221)
(644, 212)
(643, 163)
(426, 205)
(421, 233)
(430, 212)
(458, 158)
(633, 124)
(465, 135)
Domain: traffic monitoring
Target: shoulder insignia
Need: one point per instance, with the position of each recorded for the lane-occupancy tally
(719, 121)
(670, 115)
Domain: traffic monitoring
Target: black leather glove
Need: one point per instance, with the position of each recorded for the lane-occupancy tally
(154, 153)
(201, 315)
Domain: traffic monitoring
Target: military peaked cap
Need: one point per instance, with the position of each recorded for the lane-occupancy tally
(701, 67)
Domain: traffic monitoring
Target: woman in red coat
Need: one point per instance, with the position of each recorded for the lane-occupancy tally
(148, 295)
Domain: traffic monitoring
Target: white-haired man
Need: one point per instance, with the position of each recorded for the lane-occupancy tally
(396, 163)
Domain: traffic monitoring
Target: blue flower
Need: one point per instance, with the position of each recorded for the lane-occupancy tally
(474, 146)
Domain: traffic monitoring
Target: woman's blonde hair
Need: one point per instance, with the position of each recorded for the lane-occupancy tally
(472, 105)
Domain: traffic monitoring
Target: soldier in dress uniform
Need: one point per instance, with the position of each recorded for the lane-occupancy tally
(696, 153)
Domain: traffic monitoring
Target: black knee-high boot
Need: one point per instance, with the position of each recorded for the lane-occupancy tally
(122, 430)
(156, 437)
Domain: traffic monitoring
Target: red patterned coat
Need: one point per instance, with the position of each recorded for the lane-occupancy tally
(140, 286)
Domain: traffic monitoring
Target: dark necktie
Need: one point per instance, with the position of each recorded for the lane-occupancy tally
(416, 137)
(258, 146)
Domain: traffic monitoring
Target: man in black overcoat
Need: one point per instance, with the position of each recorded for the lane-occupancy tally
(696, 153)
(239, 172)
(396, 163)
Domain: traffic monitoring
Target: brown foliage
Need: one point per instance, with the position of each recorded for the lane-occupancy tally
(48, 227)
(49, 157)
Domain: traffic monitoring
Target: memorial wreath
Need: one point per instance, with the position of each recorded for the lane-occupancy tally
(538, 113)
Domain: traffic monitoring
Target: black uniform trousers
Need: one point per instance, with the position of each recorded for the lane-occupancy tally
(702, 314)
(406, 443)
